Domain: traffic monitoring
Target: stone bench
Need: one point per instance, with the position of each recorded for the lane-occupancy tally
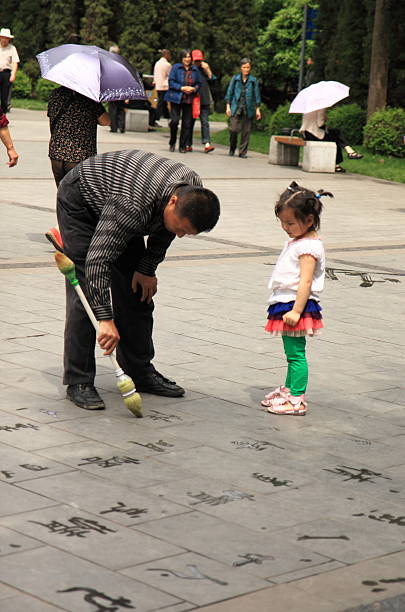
(136, 120)
(318, 156)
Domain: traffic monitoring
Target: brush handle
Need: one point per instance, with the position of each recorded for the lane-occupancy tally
(93, 319)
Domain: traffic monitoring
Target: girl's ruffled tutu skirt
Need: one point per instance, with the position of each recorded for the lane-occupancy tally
(309, 324)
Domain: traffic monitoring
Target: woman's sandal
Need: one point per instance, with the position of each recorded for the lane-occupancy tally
(280, 391)
(339, 169)
(296, 406)
(354, 155)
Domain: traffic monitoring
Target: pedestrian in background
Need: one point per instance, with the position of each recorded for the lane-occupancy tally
(73, 120)
(116, 109)
(206, 99)
(184, 84)
(5, 138)
(242, 106)
(8, 66)
(161, 71)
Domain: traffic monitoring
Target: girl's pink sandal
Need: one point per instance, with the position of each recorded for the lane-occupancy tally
(280, 391)
(296, 406)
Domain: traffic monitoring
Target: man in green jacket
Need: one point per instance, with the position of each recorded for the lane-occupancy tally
(242, 105)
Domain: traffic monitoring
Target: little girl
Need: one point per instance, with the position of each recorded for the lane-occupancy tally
(297, 280)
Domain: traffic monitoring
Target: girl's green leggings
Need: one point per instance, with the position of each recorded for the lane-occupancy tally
(297, 373)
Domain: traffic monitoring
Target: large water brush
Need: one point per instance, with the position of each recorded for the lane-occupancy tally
(125, 384)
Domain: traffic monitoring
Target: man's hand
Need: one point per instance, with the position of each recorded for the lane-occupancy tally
(148, 284)
(13, 157)
(12, 78)
(228, 110)
(258, 114)
(108, 336)
(187, 89)
(291, 318)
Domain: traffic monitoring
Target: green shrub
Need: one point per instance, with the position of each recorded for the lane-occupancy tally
(350, 119)
(22, 85)
(32, 69)
(44, 89)
(263, 124)
(385, 131)
(281, 118)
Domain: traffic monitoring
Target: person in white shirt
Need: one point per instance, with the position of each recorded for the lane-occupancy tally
(8, 66)
(161, 72)
(313, 127)
(297, 280)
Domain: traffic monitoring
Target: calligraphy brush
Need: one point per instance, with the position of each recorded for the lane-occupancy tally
(125, 384)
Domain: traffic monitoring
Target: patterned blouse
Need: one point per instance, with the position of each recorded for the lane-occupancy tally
(73, 125)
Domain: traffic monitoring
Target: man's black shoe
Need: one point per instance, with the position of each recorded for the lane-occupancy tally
(181, 150)
(231, 152)
(172, 148)
(85, 396)
(243, 155)
(157, 384)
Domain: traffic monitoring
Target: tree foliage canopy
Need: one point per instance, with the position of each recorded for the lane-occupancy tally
(269, 31)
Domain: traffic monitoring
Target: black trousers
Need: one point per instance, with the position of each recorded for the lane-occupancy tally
(331, 135)
(61, 168)
(5, 86)
(117, 115)
(161, 109)
(185, 112)
(133, 318)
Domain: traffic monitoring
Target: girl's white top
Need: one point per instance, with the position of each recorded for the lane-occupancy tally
(284, 281)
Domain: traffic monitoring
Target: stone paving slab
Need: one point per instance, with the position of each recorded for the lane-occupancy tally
(79, 533)
(113, 501)
(68, 580)
(194, 578)
(236, 485)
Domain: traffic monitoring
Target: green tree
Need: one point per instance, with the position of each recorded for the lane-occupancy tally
(229, 33)
(29, 27)
(95, 23)
(279, 46)
(138, 41)
(63, 23)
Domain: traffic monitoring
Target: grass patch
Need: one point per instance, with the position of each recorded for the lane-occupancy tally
(259, 141)
(28, 103)
(218, 117)
(377, 166)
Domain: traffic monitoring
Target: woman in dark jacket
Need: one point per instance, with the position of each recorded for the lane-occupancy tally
(184, 83)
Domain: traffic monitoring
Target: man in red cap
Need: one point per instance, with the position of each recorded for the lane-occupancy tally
(206, 99)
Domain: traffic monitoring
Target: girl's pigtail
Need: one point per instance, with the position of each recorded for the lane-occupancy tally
(320, 193)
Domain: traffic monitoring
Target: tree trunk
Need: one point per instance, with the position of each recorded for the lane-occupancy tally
(377, 90)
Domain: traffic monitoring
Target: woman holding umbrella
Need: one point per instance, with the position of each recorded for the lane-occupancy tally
(73, 120)
(312, 102)
(313, 127)
(89, 75)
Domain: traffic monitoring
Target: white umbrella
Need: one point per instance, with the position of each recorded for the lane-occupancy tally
(319, 95)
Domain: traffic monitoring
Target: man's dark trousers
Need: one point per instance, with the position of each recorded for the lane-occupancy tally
(4, 88)
(132, 317)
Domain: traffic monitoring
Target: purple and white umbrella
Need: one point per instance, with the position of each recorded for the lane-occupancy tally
(97, 74)
(319, 95)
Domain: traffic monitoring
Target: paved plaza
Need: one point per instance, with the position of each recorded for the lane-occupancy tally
(208, 502)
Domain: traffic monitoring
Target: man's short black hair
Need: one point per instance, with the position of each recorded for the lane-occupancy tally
(199, 205)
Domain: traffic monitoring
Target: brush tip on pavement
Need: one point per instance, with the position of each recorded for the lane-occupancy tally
(130, 397)
(134, 404)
